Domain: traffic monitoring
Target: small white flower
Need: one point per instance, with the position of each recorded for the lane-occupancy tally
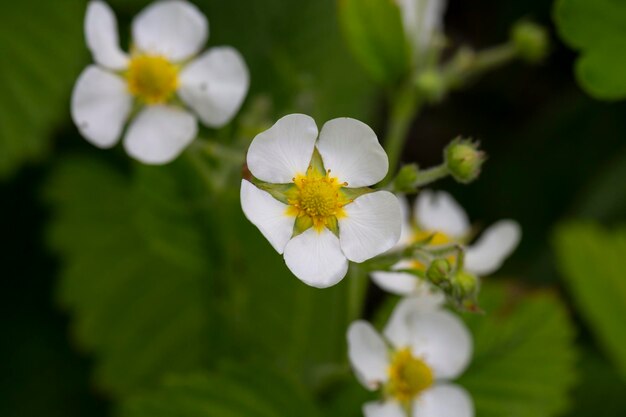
(437, 214)
(161, 71)
(325, 217)
(422, 20)
(422, 349)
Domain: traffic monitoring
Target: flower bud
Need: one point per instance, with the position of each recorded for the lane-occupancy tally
(406, 179)
(432, 85)
(530, 40)
(464, 160)
(465, 284)
(438, 271)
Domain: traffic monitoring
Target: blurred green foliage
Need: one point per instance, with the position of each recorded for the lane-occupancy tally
(593, 263)
(236, 391)
(596, 28)
(373, 29)
(524, 358)
(42, 52)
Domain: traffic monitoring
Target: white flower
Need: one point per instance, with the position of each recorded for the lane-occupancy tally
(325, 216)
(422, 20)
(422, 349)
(161, 71)
(437, 214)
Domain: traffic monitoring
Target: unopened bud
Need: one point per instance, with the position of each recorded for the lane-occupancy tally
(464, 160)
(432, 85)
(438, 271)
(465, 284)
(530, 40)
(406, 179)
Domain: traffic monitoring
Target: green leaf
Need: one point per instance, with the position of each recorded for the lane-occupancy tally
(598, 29)
(270, 310)
(238, 391)
(592, 262)
(135, 274)
(42, 53)
(374, 31)
(523, 355)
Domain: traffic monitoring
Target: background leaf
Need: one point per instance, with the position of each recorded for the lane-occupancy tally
(42, 53)
(523, 362)
(597, 29)
(592, 263)
(374, 31)
(135, 273)
(237, 391)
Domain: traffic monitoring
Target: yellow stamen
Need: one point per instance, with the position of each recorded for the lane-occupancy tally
(436, 238)
(152, 79)
(408, 376)
(318, 196)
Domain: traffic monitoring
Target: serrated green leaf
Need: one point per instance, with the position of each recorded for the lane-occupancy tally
(135, 273)
(42, 53)
(592, 261)
(598, 29)
(523, 362)
(238, 391)
(373, 30)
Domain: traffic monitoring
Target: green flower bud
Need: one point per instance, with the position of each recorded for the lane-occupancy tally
(406, 179)
(438, 271)
(464, 160)
(531, 41)
(465, 284)
(432, 85)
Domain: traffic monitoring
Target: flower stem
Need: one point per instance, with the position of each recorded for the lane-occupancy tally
(357, 289)
(427, 176)
(405, 103)
(467, 64)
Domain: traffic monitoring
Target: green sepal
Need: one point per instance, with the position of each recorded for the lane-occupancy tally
(301, 225)
(281, 192)
(354, 193)
(333, 225)
(317, 163)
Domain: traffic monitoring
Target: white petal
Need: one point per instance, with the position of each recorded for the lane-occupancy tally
(438, 211)
(372, 225)
(494, 246)
(159, 134)
(102, 37)
(383, 409)
(215, 85)
(268, 214)
(398, 329)
(175, 29)
(368, 354)
(445, 400)
(316, 258)
(421, 19)
(100, 106)
(350, 149)
(406, 236)
(399, 283)
(284, 150)
(435, 335)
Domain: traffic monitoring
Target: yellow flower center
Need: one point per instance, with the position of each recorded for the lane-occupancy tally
(436, 238)
(318, 198)
(152, 79)
(408, 376)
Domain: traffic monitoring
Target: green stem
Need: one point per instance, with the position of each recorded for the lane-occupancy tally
(204, 172)
(357, 289)
(468, 64)
(430, 175)
(405, 103)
